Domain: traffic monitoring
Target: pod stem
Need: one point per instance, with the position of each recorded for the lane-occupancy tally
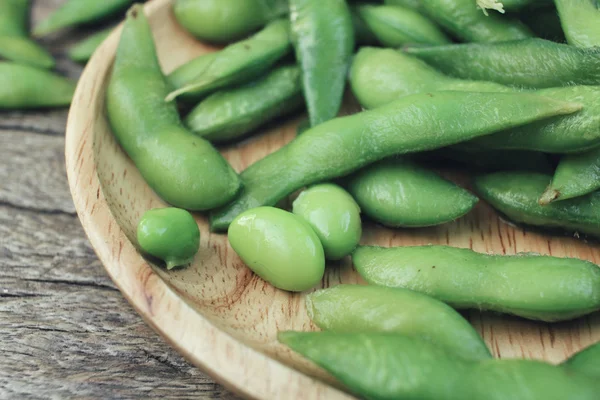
(548, 196)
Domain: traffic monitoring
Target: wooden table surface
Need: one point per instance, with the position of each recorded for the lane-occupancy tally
(65, 330)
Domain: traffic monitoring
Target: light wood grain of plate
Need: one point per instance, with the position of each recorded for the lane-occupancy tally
(220, 315)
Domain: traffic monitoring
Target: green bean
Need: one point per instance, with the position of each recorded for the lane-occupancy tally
(378, 76)
(233, 113)
(397, 192)
(576, 175)
(183, 169)
(170, 234)
(466, 21)
(580, 20)
(534, 63)
(83, 50)
(334, 216)
(238, 62)
(78, 12)
(410, 124)
(323, 38)
(358, 308)
(516, 195)
(587, 361)
(224, 21)
(494, 160)
(187, 72)
(22, 86)
(536, 287)
(278, 246)
(15, 44)
(394, 26)
(386, 366)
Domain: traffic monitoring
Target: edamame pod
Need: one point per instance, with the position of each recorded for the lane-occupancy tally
(186, 73)
(467, 22)
(535, 63)
(576, 175)
(531, 286)
(170, 234)
(379, 76)
(232, 113)
(413, 4)
(587, 361)
(410, 124)
(83, 50)
(394, 26)
(358, 308)
(580, 20)
(22, 86)
(334, 216)
(279, 247)
(223, 21)
(515, 194)
(15, 44)
(79, 12)
(323, 38)
(399, 193)
(386, 366)
(183, 169)
(239, 62)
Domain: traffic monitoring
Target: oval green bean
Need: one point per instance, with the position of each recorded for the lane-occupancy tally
(183, 169)
(279, 247)
(386, 366)
(535, 63)
(334, 216)
(516, 194)
(22, 86)
(15, 44)
(223, 21)
(531, 286)
(238, 62)
(358, 308)
(170, 234)
(232, 113)
(410, 124)
(397, 192)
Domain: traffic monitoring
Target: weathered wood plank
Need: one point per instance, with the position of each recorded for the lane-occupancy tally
(65, 330)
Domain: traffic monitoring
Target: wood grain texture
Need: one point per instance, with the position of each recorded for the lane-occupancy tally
(216, 312)
(65, 329)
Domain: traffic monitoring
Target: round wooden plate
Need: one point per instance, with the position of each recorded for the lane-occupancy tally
(217, 313)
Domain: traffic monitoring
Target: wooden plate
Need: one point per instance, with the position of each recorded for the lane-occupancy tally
(217, 313)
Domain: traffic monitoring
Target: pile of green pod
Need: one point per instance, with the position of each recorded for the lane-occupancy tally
(514, 98)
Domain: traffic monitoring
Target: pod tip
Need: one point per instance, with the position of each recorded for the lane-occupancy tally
(548, 196)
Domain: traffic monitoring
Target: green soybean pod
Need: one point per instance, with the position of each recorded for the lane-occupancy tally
(410, 124)
(233, 113)
(170, 234)
(224, 21)
(323, 37)
(394, 26)
(399, 193)
(534, 63)
(279, 247)
(83, 50)
(15, 44)
(515, 194)
(183, 169)
(364, 309)
(334, 216)
(413, 4)
(586, 361)
(580, 20)
(238, 62)
(576, 175)
(386, 366)
(531, 286)
(22, 86)
(467, 22)
(78, 12)
(379, 76)
(188, 71)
